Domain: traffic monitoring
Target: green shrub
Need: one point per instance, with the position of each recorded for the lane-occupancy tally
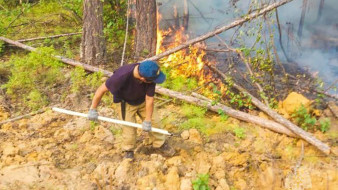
(324, 125)
(201, 183)
(32, 76)
(178, 83)
(35, 100)
(239, 132)
(80, 80)
(224, 116)
(303, 118)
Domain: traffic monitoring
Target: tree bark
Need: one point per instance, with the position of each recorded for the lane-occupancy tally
(280, 119)
(93, 47)
(146, 28)
(219, 30)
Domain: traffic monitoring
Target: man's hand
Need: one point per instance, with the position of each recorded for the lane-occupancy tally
(146, 126)
(93, 115)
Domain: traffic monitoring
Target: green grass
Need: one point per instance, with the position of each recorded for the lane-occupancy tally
(189, 111)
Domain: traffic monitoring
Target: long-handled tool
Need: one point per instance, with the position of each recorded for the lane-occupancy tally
(130, 124)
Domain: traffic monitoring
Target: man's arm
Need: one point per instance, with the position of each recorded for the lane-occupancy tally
(149, 107)
(98, 95)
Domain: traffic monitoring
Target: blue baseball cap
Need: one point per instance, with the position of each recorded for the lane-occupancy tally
(151, 72)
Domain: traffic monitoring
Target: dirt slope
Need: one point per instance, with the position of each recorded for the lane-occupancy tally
(55, 151)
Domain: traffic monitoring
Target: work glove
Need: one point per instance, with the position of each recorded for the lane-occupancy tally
(146, 126)
(93, 115)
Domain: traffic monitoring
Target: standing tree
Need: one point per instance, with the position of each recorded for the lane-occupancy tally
(93, 47)
(146, 27)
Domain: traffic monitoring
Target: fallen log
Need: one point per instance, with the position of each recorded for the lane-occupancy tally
(280, 119)
(219, 30)
(320, 145)
(229, 111)
(48, 37)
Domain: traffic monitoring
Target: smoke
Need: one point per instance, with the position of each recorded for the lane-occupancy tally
(315, 50)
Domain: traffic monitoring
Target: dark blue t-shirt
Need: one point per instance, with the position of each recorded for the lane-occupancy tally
(124, 86)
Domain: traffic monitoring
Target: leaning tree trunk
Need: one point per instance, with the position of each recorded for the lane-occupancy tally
(93, 47)
(146, 27)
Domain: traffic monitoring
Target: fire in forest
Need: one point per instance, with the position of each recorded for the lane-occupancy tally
(188, 63)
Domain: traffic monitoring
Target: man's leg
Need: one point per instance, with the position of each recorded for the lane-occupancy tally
(156, 138)
(129, 133)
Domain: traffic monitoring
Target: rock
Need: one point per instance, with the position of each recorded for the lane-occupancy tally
(223, 185)
(268, 179)
(185, 135)
(202, 165)
(219, 174)
(174, 161)
(186, 184)
(218, 162)
(104, 134)
(26, 174)
(235, 158)
(62, 135)
(87, 136)
(123, 171)
(76, 124)
(8, 149)
(150, 182)
(294, 101)
(241, 184)
(195, 136)
(172, 179)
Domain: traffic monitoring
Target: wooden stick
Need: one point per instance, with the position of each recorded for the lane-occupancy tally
(219, 30)
(42, 38)
(280, 119)
(23, 116)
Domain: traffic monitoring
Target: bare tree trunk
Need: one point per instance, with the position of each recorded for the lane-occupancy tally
(93, 47)
(320, 9)
(301, 22)
(185, 14)
(146, 27)
(176, 17)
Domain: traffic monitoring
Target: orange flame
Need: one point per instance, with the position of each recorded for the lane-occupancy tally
(190, 62)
